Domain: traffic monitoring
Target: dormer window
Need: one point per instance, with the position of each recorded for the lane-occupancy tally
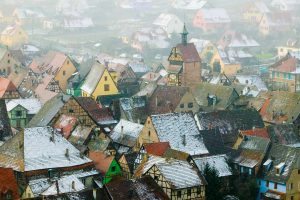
(267, 165)
(279, 168)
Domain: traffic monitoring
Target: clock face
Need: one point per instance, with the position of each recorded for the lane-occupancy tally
(172, 76)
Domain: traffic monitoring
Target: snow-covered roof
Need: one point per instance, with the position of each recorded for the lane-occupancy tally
(83, 22)
(219, 162)
(164, 19)
(32, 105)
(199, 43)
(215, 15)
(93, 78)
(180, 174)
(68, 184)
(126, 130)
(262, 7)
(252, 80)
(181, 131)
(188, 4)
(42, 153)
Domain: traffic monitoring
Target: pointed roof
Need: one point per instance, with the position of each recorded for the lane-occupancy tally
(40, 148)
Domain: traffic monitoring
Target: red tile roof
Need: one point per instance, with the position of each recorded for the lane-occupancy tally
(157, 149)
(189, 52)
(259, 132)
(286, 64)
(5, 86)
(8, 183)
(101, 160)
(66, 124)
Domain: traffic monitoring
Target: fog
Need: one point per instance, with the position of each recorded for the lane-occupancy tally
(90, 27)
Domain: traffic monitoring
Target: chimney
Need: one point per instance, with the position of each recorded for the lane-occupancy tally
(156, 101)
(57, 187)
(122, 130)
(184, 140)
(73, 185)
(67, 154)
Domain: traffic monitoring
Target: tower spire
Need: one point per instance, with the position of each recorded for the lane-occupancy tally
(184, 35)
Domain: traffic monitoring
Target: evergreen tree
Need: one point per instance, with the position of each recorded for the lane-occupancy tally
(214, 183)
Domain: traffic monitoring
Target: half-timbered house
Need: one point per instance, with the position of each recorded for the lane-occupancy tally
(178, 179)
(8, 90)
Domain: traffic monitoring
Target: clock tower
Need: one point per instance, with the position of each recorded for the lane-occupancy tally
(184, 63)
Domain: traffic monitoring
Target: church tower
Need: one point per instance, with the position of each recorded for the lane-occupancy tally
(184, 36)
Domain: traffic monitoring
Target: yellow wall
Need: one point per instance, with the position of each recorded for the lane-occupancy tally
(99, 91)
(65, 73)
(27, 194)
(295, 191)
(145, 137)
(18, 38)
(228, 69)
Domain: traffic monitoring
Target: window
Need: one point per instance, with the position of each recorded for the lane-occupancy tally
(71, 111)
(8, 195)
(8, 61)
(292, 197)
(64, 73)
(106, 87)
(178, 193)
(198, 190)
(149, 133)
(275, 186)
(189, 192)
(259, 182)
(291, 186)
(113, 169)
(267, 183)
(68, 62)
(298, 171)
(105, 78)
(18, 113)
(190, 105)
(155, 178)
(182, 105)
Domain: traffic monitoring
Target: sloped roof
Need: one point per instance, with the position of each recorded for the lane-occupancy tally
(165, 99)
(49, 110)
(181, 131)
(8, 183)
(157, 149)
(282, 154)
(144, 188)
(255, 144)
(5, 86)
(235, 39)
(225, 95)
(214, 15)
(188, 52)
(229, 122)
(258, 132)
(91, 81)
(41, 90)
(180, 174)
(101, 160)
(286, 64)
(126, 133)
(218, 162)
(164, 19)
(280, 106)
(32, 105)
(52, 60)
(4, 122)
(134, 108)
(65, 124)
(285, 134)
(39, 148)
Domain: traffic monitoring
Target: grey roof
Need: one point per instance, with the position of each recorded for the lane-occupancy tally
(218, 162)
(181, 131)
(93, 77)
(285, 134)
(282, 155)
(49, 110)
(255, 143)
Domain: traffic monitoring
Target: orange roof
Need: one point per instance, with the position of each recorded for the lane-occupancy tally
(101, 160)
(8, 183)
(259, 132)
(157, 149)
(6, 85)
(66, 124)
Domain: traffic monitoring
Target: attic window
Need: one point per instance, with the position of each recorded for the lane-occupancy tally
(105, 78)
(113, 169)
(182, 105)
(71, 111)
(64, 73)
(189, 192)
(178, 193)
(190, 105)
(279, 168)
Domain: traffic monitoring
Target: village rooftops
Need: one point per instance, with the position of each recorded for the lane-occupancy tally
(218, 162)
(285, 134)
(181, 131)
(288, 64)
(40, 148)
(214, 15)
